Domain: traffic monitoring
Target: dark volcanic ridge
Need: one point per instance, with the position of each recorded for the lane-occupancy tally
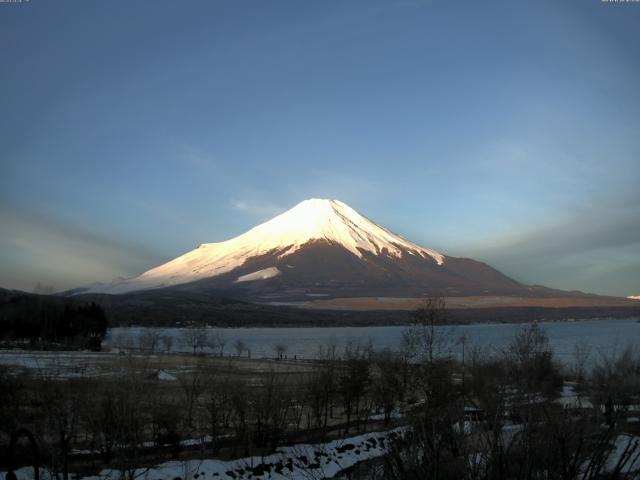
(167, 307)
(322, 269)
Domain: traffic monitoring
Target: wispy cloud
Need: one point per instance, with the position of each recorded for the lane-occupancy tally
(596, 248)
(197, 157)
(262, 210)
(37, 248)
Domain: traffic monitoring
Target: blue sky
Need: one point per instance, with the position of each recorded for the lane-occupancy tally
(505, 131)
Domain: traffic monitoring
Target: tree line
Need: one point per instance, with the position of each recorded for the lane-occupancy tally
(44, 321)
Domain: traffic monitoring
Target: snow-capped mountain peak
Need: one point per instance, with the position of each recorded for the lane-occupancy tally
(325, 220)
(331, 220)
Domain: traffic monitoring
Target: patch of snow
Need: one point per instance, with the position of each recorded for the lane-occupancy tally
(55, 364)
(80, 451)
(395, 413)
(569, 398)
(310, 220)
(622, 451)
(568, 391)
(298, 462)
(509, 433)
(465, 427)
(190, 442)
(478, 458)
(164, 375)
(259, 275)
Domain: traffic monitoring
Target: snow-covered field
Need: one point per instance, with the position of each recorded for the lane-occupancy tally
(622, 455)
(63, 364)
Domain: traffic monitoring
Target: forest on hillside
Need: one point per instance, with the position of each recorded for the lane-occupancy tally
(49, 322)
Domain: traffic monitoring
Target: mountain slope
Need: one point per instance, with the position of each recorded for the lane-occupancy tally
(310, 220)
(324, 269)
(321, 248)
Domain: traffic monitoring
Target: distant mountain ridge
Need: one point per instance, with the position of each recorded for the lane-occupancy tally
(322, 249)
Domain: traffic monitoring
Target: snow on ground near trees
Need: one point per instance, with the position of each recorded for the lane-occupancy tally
(74, 364)
(569, 398)
(164, 375)
(57, 364)
(298, 462)
(622, 451)
(395, 414)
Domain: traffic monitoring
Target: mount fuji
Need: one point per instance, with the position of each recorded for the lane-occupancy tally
(318, 249)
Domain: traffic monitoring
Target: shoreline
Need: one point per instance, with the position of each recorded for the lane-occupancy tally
(253, 316)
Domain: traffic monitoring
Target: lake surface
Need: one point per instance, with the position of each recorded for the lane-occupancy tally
(605, 337)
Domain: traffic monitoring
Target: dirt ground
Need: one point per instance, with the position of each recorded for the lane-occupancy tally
(392, 303)
(75, 364)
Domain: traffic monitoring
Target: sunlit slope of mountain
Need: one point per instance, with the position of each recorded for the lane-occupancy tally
(324, 269)
(322, 248)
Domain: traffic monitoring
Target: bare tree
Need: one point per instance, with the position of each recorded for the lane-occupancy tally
(240, 405)
(581, 354)
(270, 404)
(167, 342)
(149, 340)
(240, 347)
(196, 338)
(192, 388)
(279, 349)
(614, 382)
(387, 382)
(320, 388)
(531, 365)
(62, 403)
(216, 343)
(428, 345)
(165, 414)
(218, 408)
(122, 341)
(354, 378)
(424, 341)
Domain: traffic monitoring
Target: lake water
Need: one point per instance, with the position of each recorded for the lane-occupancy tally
(605, 337)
